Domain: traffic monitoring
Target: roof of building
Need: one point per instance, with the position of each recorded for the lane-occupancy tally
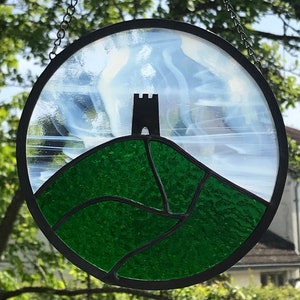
(271, 251)
(293, 133)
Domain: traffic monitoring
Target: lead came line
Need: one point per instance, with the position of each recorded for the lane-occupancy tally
(157, 177)
(112, 275)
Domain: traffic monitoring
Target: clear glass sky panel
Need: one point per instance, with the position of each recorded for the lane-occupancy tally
(208, 104)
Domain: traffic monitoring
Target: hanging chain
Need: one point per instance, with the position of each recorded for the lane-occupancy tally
(233, 15)
(65, 23)
(244, 38)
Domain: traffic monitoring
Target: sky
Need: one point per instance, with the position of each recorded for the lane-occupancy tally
(291, 116)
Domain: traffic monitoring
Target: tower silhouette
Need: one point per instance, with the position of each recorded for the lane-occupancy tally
(145, 114)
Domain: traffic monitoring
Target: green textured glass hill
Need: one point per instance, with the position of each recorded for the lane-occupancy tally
(141, 208)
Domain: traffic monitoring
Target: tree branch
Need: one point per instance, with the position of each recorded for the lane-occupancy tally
(48, 290)
(276, 37)
(9, 218)
(119, 10)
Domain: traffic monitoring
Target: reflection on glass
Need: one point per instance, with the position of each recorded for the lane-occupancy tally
(208, 104)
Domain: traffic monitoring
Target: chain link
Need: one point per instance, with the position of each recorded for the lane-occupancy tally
(244, 38)
(65, 23)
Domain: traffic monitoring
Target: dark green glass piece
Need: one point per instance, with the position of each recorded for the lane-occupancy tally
(223, 219)
(120, 169)
(132, 207)
(179, 176)
(104, 232)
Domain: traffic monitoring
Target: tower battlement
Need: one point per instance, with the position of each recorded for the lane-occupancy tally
(145, 114)
(145, 97)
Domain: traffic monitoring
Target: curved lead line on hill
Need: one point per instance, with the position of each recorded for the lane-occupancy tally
(156, 176)
(203, 167)
(112, 275)
(83, 205)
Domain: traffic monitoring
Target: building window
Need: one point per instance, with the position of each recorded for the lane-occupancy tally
(275, 278)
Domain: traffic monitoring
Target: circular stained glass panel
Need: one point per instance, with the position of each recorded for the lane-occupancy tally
(152, 154)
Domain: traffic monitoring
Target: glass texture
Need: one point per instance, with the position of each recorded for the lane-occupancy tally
(208, 105)
(221, 221)
(135, 230)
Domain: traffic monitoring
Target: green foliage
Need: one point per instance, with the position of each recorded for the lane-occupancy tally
(271, 292)
(29, 266)
(294, 162)
(222, 289)
(9, 119)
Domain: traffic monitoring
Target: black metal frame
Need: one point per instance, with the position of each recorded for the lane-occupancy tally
(236, 55)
